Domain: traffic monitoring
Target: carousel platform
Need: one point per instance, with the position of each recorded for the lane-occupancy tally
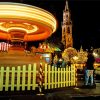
(18, 56)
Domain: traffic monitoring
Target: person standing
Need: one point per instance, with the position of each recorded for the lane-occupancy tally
(89, 69)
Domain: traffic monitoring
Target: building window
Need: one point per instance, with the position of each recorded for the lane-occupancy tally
(67, 17)
(68, 30)
(69, 39)
(64, 30)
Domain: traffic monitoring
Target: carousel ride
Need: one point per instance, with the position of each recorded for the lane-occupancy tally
(21, 23)
(25, 22)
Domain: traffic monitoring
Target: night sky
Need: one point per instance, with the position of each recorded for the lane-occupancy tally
(85, 18)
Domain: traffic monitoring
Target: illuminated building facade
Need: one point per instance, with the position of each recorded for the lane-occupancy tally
(67, 39)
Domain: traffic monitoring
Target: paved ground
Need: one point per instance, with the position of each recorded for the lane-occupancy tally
(72, 93)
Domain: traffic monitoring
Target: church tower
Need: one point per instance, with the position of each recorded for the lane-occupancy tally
(67, 39)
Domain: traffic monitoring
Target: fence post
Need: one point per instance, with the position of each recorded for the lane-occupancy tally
(45, 73)
(7, 79)
(1, 77)
(34, 76)
(75, 75)
(12, 78)
(23, 76)
(18, 78)
(29, 76)
(40, 83)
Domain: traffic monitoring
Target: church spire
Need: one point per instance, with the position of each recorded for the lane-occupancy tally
(66, 6)
(81, 48)
(67, 39)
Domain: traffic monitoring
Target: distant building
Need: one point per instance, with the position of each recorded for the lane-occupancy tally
(67, 39)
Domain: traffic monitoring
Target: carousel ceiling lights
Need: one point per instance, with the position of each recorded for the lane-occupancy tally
(37, 23)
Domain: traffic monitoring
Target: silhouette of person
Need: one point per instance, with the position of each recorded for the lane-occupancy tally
(89, 69)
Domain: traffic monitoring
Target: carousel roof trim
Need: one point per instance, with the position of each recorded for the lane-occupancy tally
(42, 21)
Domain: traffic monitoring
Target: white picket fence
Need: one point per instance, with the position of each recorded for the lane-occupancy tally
(25, 77)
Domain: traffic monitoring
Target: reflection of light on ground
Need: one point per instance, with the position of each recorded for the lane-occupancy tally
(76, 88)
